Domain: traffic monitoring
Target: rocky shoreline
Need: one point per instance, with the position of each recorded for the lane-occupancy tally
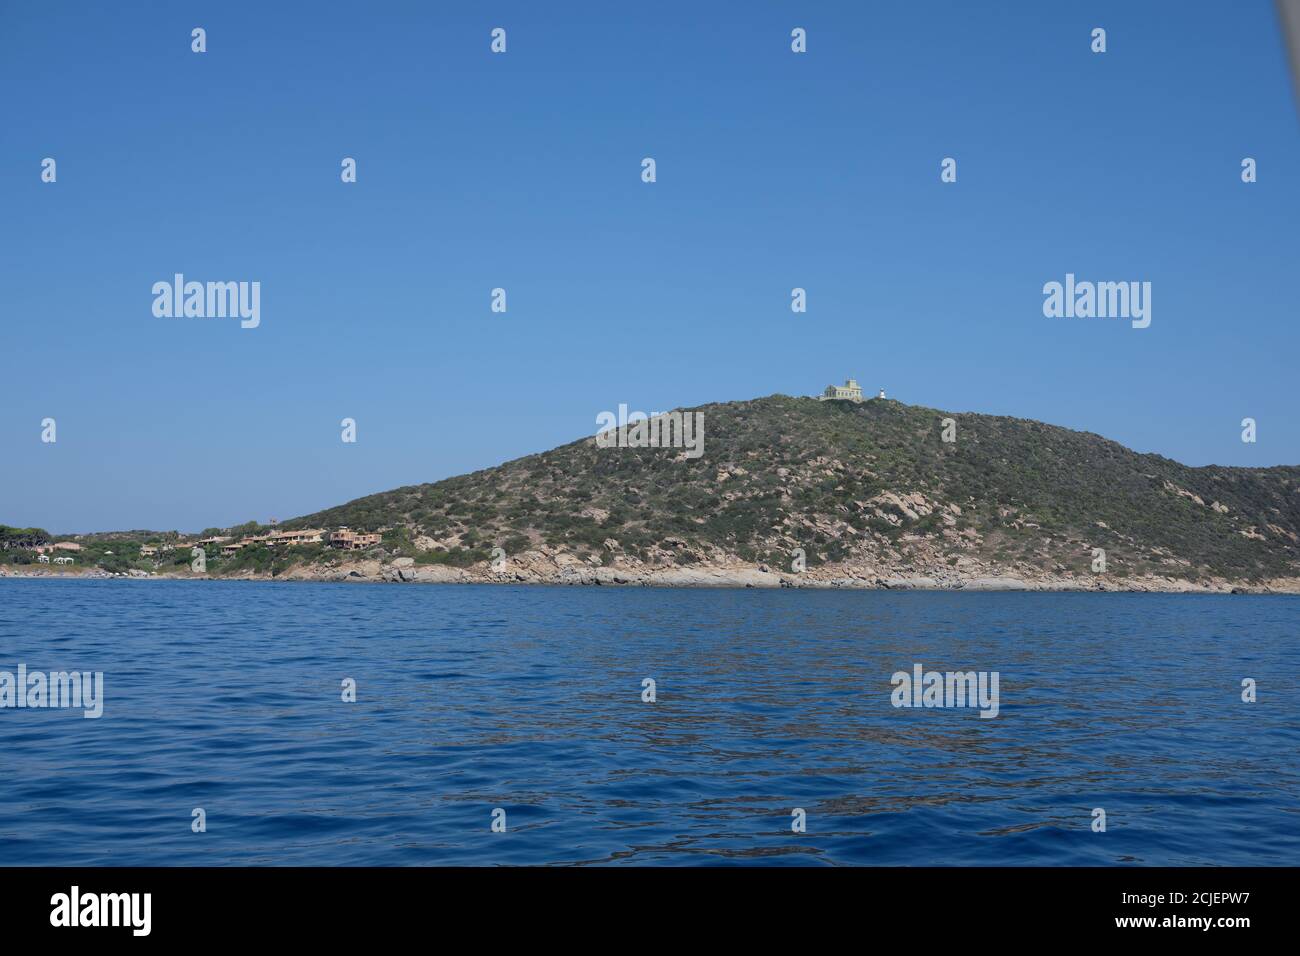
(578, 573)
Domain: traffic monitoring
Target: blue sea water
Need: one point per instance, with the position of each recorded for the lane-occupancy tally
(227, 696)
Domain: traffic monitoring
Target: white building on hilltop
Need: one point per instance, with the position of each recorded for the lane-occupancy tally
(850, 391)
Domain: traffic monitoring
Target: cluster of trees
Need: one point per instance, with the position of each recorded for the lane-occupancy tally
(22, 538)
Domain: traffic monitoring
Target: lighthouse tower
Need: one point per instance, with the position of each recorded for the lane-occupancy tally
(882, 394)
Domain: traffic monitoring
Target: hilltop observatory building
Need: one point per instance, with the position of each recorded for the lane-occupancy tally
(850, 391)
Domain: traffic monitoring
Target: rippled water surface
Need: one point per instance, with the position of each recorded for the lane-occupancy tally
(226, 696)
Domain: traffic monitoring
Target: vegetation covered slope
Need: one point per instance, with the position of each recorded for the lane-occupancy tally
(870, 482)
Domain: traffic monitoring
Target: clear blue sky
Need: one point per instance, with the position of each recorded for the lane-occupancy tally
(522, 170)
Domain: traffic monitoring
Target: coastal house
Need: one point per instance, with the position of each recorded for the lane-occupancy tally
(57, 546)
(349, 540)
(232, 546)
(147, 550)
(850, 391)
(306, 536)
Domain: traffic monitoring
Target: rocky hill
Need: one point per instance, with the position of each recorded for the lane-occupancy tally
(870, 493)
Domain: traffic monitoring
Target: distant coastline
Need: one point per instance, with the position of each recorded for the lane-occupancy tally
(839, 491)
(824, 578)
